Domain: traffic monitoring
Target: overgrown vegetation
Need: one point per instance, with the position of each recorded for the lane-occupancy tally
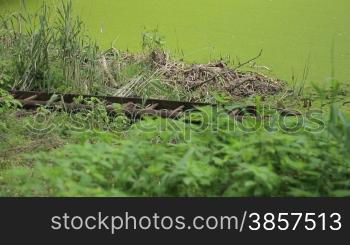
(99, 156)
(89, 153)
(49, 51)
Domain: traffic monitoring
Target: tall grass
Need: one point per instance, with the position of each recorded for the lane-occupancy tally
(49, 50)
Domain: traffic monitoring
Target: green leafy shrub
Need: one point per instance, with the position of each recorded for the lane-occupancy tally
(158, 159)
(152, 40)
(7, 101)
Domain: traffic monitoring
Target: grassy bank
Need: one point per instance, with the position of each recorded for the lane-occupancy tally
(57, 153)
(86, 154)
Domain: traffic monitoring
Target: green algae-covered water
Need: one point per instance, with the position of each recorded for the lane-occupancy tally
(290, 32)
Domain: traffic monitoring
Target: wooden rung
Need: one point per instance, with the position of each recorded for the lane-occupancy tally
(31, 97)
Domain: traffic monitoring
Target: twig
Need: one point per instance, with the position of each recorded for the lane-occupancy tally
(247, 62)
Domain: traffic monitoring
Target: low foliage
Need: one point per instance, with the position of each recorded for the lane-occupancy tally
(159, 157)
(206, 153)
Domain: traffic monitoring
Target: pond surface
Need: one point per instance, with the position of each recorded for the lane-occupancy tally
(290, 32)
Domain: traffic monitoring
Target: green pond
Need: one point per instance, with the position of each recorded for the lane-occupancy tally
(292, 33)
